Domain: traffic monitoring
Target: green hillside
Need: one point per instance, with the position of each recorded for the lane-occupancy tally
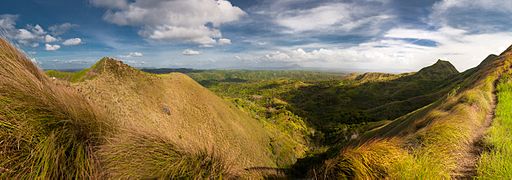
(433, 142)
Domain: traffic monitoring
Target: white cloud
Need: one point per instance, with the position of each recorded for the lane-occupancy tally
(32, 35)
(50, 47)
(190, 52)
(72, 42)
(61, 28)
(37, 29)
(8, 21)
(24, 34)
(494, 5)
(135, 54)
(393, 52)
(314, 19)
(365, 15)
(132, 54)
(196, 21)
(110, 3)
(473, 15)
(224, 41)
(49, 39)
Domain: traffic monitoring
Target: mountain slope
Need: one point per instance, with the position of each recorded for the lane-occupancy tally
(372, 96)
(118, 122)
(429, 142)
(180, 108)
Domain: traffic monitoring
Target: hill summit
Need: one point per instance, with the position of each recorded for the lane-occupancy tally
(440, 70)
(114, 121)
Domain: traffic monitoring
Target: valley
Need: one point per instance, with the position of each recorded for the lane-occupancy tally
(115, 121)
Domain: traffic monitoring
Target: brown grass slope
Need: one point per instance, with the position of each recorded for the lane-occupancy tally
(429, 142)
(119, 123)
(47, 130)
(178, 109)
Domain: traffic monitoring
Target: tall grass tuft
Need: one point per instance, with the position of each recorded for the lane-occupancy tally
(47, 131)
(137, 155)
(368, 161)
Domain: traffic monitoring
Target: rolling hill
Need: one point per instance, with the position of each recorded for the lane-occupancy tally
(114, 121)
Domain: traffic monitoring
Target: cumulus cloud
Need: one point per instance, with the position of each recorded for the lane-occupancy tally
(50, 47)
(132, 54)
(397, 51)
(72, 42)
(49, 39)
(110, 3)
(196, 21)
(61, 28)
(33, 35)
(365, 15)
(190, 52)
(8, 21)
(224, 41)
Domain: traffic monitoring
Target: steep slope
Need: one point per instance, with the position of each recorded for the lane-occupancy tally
(372, 96)
(47, 130)
(180, 109)
(119, 123)
(430, 142)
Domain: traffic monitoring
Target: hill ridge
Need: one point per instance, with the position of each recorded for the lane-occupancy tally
(434, 137)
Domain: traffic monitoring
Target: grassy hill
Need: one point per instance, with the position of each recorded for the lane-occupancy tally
(430, 143)
(114, 121)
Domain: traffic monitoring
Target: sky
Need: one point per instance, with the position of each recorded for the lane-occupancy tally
(337, 35)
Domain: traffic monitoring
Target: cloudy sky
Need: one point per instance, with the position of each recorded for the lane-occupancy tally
(356, 35)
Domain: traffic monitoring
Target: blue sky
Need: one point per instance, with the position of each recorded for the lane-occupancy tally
(355, 35)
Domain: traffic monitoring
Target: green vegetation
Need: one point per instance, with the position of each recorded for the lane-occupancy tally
(112, 121)
(337, 106)
(496, 162)
(425, 144)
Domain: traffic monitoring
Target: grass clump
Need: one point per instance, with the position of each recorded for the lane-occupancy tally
(372, 160)
(145, 155)
(497, 162)
(47, 131)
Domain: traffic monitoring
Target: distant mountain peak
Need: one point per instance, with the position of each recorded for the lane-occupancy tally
(111, 65)
(439, 70)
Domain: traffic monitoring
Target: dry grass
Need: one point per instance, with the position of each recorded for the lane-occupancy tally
(175, 107)
(114, 126)
(139, 155)
(46, 130)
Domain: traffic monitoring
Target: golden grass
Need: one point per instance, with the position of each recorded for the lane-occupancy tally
(49, 131)
(175, 107)
(120, 124)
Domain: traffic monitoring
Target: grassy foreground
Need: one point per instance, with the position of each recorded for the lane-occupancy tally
(497, 162)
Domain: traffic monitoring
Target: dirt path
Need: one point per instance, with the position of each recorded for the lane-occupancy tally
(467, 163)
